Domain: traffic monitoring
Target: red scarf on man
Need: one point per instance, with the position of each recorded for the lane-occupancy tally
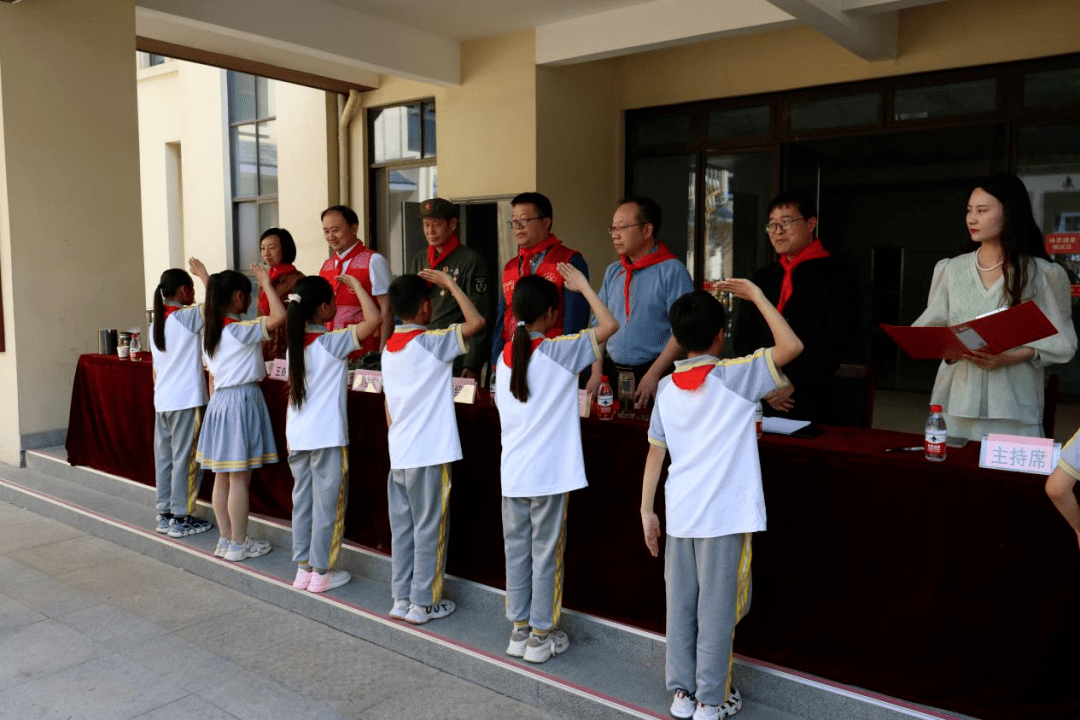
(275, 272)
(525, 255)
(448, 247)
(813, 251)
(657, 256)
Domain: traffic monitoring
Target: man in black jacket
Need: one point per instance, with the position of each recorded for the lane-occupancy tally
(816, 295)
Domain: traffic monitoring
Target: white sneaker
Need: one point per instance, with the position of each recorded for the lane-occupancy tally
(541, 649)
(222, 547)
(683, 705)
(712, 712)
(400, 609)
(321, 582)
(251, 548)
(419, 615)
(519, 638)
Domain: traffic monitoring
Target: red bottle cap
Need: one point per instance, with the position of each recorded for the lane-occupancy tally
(603, 378)
(935, 408)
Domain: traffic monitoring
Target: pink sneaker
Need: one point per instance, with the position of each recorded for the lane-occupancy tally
(303, 578)
(328, 580)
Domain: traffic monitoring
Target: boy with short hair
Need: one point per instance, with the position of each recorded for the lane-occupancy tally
(704, 415)
(423, 438)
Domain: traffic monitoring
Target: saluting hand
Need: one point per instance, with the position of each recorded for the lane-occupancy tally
(740, 288)
(437, 277)
(573, 279)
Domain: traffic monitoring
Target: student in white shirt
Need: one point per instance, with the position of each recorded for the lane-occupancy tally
(179, 400)
(317, 427)
(704, 415)
(417, 369)
(237, 436)
(1061, 483)
(542, 460)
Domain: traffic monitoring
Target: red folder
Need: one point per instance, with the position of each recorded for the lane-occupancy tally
(992, 333)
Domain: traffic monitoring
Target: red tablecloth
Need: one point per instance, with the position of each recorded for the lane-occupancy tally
(940, 583)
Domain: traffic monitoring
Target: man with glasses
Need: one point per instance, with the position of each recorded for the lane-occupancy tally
(816, 295)
(539, 252)
(640, 289)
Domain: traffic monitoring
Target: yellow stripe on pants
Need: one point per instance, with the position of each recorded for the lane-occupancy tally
(192, 464)
(339, 512)
(440, 552)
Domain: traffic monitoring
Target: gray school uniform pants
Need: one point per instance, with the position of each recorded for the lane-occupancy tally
(419, 523)
(176, 435)
(320, 490)
(534, 538)
(708, 592)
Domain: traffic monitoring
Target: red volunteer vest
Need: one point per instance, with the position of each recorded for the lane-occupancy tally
(557, 253)
(356, 263)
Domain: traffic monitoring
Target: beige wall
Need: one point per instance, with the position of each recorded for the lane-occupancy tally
(579, 155)
(70, 239)
(957, 33)
(307, 165)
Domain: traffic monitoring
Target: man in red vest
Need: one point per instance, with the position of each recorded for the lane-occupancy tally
(539, 252)
(352, 257)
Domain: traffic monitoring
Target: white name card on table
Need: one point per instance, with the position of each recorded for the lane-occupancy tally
(782, 426)
(278, 370)
(464, 390)
(1038, 456)
(367, 381)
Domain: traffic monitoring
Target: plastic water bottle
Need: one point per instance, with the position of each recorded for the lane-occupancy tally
(759, 416)
(934, 441)
(134, 348)
(605, 400)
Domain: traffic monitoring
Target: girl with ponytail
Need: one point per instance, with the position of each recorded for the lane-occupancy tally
(179, 399)
(238, 436)
(316, 426)
(537, 396)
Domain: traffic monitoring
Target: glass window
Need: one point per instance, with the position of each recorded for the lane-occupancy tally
(396, 133)
(242, 105)
(267, 158)
(264, 97)
(429, 128)
(668, 130)
(246, 234)
(852, 111)
(965, 98)
(671, 182)
(268, 216)
(242, 147)
(1052, 88)
(743, 121)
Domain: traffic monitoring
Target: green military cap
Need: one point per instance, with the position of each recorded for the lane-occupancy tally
(438, 208)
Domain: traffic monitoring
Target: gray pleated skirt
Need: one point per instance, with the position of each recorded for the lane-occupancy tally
(236, 433)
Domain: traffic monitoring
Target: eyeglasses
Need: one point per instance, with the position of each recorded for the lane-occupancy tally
(616, 229)
(521, 222)
(785, 224)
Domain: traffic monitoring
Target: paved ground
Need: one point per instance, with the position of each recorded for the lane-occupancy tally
(90, 630)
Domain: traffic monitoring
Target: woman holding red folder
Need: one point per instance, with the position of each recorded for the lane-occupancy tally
(1006, 265)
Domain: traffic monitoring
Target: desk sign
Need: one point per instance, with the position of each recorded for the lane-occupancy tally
(279, 370)
(464, 390)
(367, 381)
(1038, 456)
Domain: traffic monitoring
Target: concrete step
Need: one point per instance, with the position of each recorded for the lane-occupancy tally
(611, 671)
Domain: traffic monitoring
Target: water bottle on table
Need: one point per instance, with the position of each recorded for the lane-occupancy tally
(936, 436)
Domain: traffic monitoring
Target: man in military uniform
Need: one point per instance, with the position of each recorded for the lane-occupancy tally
(446, 253)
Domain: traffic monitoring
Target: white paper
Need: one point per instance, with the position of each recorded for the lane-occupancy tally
(782, 426)
(971, 339)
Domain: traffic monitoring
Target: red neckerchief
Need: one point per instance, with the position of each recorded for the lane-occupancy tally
(813, 251)
(448, 247)
(275, 272)
(508, 350)
(170, 309)
(659, 255)
(312, 336)
(692, 377)
(401, 338)
(228, 321)
(525, 255)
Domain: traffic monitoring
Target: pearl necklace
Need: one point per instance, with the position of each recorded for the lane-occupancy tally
(987, 269)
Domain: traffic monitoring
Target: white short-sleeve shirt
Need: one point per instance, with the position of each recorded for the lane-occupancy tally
(417, 370)
(238, 359)
(704, 416)
(322, 422)
(541, 438)
(379, 274)
(179, 383)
